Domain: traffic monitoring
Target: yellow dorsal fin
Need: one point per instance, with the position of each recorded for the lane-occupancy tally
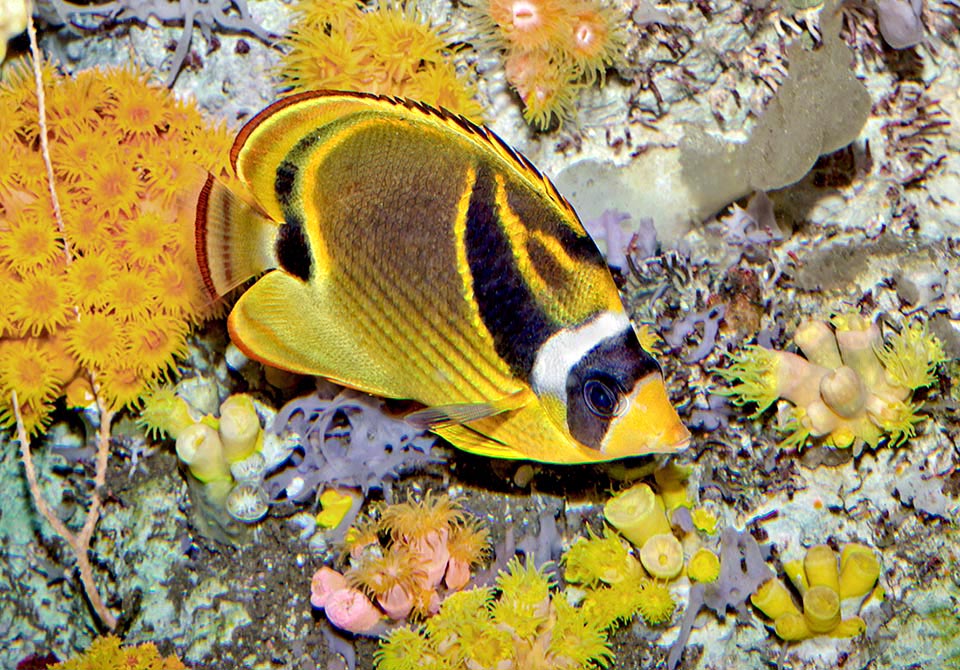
(442, 416)
(235, 240)
(269, 137)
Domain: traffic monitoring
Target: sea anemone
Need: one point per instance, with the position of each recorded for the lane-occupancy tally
(596, 42)
(164, 413)
(593, 560)
(468, 544)
(379, 575)
(524, 603)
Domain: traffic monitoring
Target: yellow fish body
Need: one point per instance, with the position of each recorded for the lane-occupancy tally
(413, 254)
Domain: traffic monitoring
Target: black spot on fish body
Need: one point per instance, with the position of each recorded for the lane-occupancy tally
(293, 249)
(507, 307)
(284, 181)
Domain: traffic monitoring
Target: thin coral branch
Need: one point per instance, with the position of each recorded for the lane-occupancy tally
(44, 140)
(79, 543)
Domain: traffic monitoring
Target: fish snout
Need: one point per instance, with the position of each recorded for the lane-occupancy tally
(650, 424)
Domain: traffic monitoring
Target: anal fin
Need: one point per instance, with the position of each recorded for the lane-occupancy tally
(467, 439)
(290, 324)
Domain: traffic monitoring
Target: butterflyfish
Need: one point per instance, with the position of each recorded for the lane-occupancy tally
(409, 253)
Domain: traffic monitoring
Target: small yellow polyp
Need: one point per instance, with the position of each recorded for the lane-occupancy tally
(239, 427)
(851, 627)
(703, 566)
(638, 514)
(821, 609)
(335, 503)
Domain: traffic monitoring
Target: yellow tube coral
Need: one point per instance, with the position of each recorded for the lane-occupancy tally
(821, 609)
(240, 429)
(637, 513)
(792, 627)
(199, 447)
(820, 566)
(859, 571)
(703, 566)
(774, 599)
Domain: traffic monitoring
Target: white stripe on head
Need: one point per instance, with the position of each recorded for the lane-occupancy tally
(566, 347)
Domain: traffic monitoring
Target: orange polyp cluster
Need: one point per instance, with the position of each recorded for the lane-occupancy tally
(553, 48)
(128, 161)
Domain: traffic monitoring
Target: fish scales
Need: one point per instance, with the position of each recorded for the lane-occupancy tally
(359, 249)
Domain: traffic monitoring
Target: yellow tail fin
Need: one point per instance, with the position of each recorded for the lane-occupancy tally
(235, 239)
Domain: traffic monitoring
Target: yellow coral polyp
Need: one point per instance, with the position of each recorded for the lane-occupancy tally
(755, 371)
(703, 566)
(859, 571)
(662, 556)
(828, 593)
(910, 357)
(638, 513)
(654, 602)
(592, 560)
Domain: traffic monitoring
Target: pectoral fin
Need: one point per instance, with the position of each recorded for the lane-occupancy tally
(281, 321)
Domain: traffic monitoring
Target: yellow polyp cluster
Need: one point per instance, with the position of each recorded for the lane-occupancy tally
(391, 49)
(832, 590)
(850, 388)
(603, 559)
(523, 623)
(115, 294)
(553, 49)
(106, 653)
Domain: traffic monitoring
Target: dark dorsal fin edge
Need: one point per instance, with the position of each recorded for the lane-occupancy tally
(481, 132)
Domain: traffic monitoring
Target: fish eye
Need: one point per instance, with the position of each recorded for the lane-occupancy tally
(603, 397)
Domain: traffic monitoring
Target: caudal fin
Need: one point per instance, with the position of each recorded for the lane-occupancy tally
(235, 240)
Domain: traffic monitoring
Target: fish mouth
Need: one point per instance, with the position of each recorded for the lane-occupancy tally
(650, 425)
